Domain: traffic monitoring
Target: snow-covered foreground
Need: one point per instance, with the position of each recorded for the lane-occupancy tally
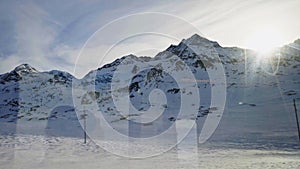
(28, 152)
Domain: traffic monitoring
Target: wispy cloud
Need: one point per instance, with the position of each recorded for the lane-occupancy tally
(50, 34)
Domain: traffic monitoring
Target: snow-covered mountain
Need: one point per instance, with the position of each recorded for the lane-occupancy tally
(49, 99)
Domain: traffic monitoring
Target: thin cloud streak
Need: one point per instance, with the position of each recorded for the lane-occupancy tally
(50, 36)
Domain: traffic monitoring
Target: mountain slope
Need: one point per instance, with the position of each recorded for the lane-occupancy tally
(253, 85)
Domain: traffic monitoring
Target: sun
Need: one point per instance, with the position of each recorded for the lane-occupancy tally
(264, 41)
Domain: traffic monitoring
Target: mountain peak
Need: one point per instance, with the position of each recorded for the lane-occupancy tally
(197, 37)
(297, 41)
(25, 68)
(199, 40)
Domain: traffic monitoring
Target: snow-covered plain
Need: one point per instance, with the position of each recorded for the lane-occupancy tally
(25, 151)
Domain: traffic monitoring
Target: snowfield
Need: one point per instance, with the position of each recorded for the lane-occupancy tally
(28, 152)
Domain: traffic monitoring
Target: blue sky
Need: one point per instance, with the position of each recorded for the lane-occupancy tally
(49, 34)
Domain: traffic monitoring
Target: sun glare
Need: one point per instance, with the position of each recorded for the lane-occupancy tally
(264, 41)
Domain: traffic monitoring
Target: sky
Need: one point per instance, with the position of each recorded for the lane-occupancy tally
(52, 34)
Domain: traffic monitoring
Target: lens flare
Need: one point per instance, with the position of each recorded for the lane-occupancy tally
(264, 41)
